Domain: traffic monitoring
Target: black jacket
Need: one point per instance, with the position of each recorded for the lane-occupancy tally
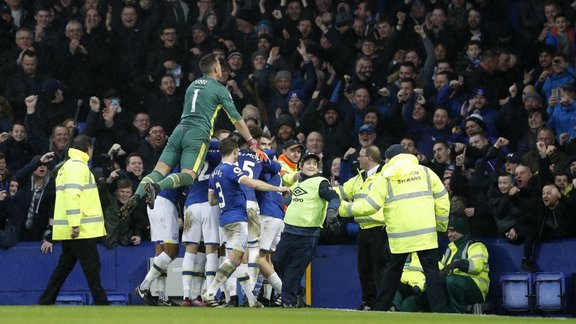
(44, 209)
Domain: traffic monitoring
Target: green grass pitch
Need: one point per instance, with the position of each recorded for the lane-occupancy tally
(179, 315)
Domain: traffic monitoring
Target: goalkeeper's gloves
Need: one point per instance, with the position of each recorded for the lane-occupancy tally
(254, 147)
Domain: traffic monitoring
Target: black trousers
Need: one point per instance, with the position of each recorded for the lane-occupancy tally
(373, 254)
(293, 254)
(85, 251)
(391, 279)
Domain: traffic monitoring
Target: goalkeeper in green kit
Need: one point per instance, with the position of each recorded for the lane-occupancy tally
(188, 144)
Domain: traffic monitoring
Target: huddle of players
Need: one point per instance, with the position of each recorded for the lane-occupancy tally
(244, 211)
(226, 206)
(234, 189)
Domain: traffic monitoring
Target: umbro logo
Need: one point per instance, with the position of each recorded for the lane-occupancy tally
(299, 192)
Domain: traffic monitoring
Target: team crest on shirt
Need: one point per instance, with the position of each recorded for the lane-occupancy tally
(299, 192)
(237, 170)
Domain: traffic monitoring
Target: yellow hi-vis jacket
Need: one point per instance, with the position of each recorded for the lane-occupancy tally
(413, 273)
(414, 201)
(77, 200)
(475, 254)
(359, 187)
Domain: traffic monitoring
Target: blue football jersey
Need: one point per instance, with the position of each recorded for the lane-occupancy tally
(198, 191)
(248, 162)
(231, 197)
(271, 202)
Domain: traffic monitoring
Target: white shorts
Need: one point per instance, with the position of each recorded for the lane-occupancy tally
(236, 236)
(222, 236)
(163, 221)
(201, 223)
(272, 228)
(253, 211)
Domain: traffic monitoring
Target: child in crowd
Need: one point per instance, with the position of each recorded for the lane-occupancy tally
(471, 57)
(510, 219)
(313, 201)
(561, 37)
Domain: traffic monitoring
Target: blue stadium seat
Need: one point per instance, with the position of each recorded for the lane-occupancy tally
(73, 299)
(516, 291)
(550, 291)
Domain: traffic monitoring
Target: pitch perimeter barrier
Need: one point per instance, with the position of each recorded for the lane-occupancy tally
(24, 271)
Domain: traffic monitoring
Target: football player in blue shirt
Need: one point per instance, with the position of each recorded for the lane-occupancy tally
(249, 161)
(200, 222)
(272, 220)
(225, 191)
(164, 229)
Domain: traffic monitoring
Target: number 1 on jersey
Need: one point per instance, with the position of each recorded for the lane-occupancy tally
(194, 97)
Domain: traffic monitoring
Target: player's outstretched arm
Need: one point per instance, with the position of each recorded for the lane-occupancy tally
(261, 185)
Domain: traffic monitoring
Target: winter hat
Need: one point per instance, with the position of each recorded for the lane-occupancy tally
(480, 92)
(367, 129)
(200, 26)
(460, 225)
(235, 53)
(267, 37)
(514, 158)
(264, 26)
(259, 53)
(295, 93)
(49, 86)
(286, 119)
(533, 95)
(478, 120)
(284, 74)
(394, 150)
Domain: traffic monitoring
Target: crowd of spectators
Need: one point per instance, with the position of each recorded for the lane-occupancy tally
(482, 91)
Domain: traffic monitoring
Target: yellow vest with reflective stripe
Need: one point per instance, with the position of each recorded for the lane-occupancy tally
(477, 255)
(306, 209)
(414, 201)
(413, 274)
(77, 200)
(358, 188)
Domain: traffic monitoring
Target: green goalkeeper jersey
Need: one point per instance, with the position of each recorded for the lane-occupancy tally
(203, 100)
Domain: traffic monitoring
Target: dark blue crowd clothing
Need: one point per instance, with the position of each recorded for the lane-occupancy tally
(275, 99)
(33, 204)
(17, 153)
